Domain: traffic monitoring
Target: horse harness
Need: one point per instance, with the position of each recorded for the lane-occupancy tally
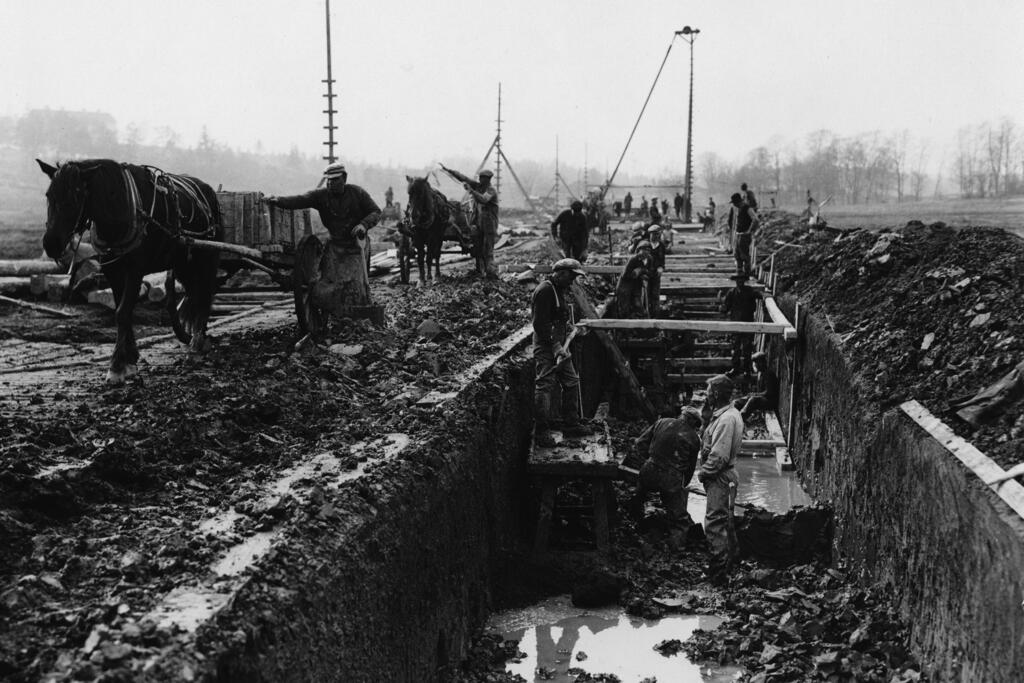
(173, 188)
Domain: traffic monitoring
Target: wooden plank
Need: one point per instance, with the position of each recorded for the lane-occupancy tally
(547, 511)
(709, 362)
(25, 267)
(682, 325)
(778, 316)
(771, 423)
(37, 307)
(982, 466)
(619, 364)
(584, 457)
(697, 287)
(783, 460)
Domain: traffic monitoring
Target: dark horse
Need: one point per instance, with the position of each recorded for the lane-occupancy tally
(434, 219)
(137, 214)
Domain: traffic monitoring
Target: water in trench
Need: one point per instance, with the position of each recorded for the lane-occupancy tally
(555, 636)
(761, 484)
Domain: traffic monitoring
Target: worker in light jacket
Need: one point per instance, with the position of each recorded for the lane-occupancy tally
(720, 445)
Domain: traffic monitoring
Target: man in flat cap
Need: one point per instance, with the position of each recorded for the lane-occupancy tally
(346, 210)
(570, 231)
(348, 213)
(719, 447)
(484, 220)
(552, 320)
(670, 447)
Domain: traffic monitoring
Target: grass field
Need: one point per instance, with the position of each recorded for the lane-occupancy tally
(1001, 213)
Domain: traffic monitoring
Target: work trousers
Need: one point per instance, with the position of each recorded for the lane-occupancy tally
(742, 349)
(741, 252)
(547, 381)
(654, 295)
(719, 527)
(668, 482)
(575, 247)
(484, 248)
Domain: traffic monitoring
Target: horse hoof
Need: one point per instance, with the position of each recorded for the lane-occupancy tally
(131, 370)
(115, 378)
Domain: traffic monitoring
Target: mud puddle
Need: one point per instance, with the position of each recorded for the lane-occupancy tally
(557, 637)
(761, 484)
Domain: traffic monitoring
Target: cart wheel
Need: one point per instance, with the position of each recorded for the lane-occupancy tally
(312, 319)
(174, 307)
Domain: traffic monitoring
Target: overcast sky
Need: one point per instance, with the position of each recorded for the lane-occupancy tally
(418, 80)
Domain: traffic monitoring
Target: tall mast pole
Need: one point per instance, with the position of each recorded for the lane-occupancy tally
(586, 163)
(330, 111)
(497, 142)
(557, 176)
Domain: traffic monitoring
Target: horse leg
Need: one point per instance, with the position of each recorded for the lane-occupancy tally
(435, 250)
(421, 255)
(125, 299)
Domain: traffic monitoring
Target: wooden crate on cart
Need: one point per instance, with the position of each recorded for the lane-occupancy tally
(249, 222)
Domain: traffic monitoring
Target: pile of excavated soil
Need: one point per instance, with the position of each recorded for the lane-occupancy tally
(100, 499)
(929, 313)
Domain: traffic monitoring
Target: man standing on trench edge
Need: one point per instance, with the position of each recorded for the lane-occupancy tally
(348, 213)
(569, 230)
(552, 319)
(719, 447)
(743, 221)
(484, 220)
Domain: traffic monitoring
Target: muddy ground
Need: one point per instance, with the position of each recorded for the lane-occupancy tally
(100, 498)
(110, 527)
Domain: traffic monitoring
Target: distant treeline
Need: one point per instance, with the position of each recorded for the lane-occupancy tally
(59, 135)
(988, 161)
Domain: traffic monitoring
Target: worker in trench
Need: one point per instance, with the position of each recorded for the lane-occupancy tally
(671, 446)
(570, 232)
(740, 304)
(553, 318)
(720, 444)
(631, 292)
(766, 388)
(658, 250)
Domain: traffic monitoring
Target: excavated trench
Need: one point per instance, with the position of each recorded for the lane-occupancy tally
(428, 538)
(433, 542)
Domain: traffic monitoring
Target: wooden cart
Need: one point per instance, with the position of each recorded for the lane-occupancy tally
(281, 243)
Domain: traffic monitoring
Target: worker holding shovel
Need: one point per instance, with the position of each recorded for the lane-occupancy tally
(553, 331)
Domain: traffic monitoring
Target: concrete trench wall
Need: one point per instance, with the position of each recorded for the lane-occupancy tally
(909, 514)
(396, 587)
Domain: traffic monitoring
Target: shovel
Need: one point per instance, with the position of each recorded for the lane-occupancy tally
(567, 356)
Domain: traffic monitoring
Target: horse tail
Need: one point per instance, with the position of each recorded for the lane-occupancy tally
(199, 274)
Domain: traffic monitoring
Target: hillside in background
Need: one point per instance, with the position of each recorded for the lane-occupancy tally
(57, 135)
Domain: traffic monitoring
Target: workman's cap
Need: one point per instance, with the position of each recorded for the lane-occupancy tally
(486, 174)
(643, 244)
(722, 383)
(739, 277)
(335, 170)
(576, 204)
(692, 414)
(569, 264)
(654, 228)
(760, 355)
(736, 198)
